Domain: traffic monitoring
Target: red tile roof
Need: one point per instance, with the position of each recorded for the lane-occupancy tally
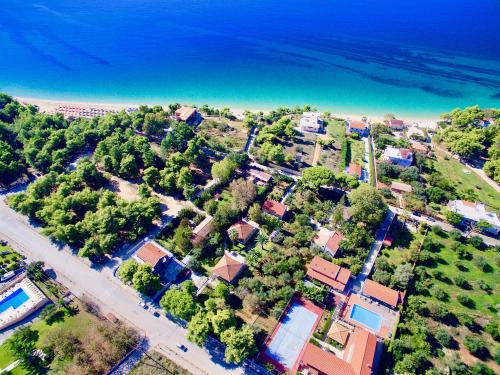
(323, 362)
(333, 244)
(151, 253)
(328, 273)
(381, 292)
(274, 208)
(228, 267)
(244, 229)
(357, 125)
(355, 169)
(202, 230)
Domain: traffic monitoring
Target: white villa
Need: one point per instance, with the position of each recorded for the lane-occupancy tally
(399, 156)
(475, 212)
(311, 122)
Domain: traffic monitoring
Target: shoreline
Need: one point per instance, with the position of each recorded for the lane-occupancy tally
(48, 105)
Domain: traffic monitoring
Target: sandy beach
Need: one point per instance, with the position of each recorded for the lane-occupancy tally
(49, 106)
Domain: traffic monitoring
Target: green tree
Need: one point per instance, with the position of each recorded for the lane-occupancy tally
(198, 328)
(367, 205)
(475, 344)
(315, 177)
(403, 275)
(22, 344)
(145, 281)
(151, 177)
(179, 301)
(453, 218)
(128, 167)
(127, 270)
(240, 343)
(222, 320)
(224, 169)
(154, 123)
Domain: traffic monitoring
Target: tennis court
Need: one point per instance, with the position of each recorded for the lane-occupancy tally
(293, 332)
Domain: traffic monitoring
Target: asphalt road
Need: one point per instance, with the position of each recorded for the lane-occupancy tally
(99, 285)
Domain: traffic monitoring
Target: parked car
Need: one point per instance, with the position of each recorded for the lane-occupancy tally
(182, 347)
(143, 305)
(156, 314)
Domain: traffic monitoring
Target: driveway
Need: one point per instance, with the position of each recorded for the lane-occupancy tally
(82, 280)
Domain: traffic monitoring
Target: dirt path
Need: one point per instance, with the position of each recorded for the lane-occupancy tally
(318, 148)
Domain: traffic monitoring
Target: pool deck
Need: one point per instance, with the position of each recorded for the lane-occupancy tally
(389, 317)
(36, 300)
(263, 356)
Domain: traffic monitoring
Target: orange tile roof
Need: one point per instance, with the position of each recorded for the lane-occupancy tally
(151, 253)
(381, 292)
(328, 273)
(274, 208)
(244, 229)
(339, 333)
(360, 351)
(355, 169)
(395, 123)
(228, 268)
(202, 230)
(325, 363)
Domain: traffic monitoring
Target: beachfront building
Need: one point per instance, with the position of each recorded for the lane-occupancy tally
(229, 267)
(400, 187)
(243, 230)
(328, 241)
(357, 358)
(275, 208)
(381, 293)
(359, 127)
(202, 230)
(396, 124)
(311, 122)
(328, 273)
(398, 156)
(474, 213)
(188, 114)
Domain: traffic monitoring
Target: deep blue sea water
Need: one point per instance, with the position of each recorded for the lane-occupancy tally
(408, 57)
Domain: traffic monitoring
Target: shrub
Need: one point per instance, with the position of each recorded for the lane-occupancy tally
(461, 282)
(443, 337)
(436, 229)
(465, 300)
(455, 235)
(476, 241)
(493, 329)
(481, 263)
(439, 293)
(475, 344)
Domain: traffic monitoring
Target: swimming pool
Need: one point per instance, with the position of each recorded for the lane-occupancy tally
(14, 300)
(366, 317)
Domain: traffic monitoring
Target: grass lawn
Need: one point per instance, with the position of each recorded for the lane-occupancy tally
(224, 135)
(8, 262)
(304, 144)
(463, 181)
(399, 253)
(358, 152)
(336, 129)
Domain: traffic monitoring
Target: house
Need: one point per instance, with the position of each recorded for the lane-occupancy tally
(260, 175)
(153, 254)
(187, 114)
(328, 241)
(359, 127)
(244, 230)
(328, 273)
(275, 208)
(381, 293)
(399, 156)
(229, 267)
(395, 124)
(311, 122)
(202, 230)
(357, 359)
(355, 170)
(474, 213)
(400, 188)
(419, 148)
(339, 332)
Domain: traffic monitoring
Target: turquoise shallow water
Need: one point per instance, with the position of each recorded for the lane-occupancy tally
(372, 56)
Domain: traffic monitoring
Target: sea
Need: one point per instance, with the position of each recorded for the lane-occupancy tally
(410, 58)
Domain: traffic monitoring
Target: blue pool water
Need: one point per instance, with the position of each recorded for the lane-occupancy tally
(366, 317)
(14, 300)
(407, 57)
